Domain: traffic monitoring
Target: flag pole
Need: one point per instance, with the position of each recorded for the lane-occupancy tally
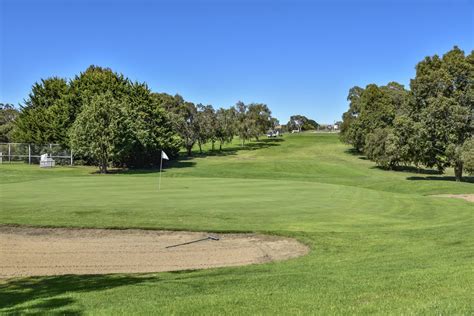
(161, 166)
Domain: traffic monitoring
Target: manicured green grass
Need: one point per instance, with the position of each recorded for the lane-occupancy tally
(379, 243)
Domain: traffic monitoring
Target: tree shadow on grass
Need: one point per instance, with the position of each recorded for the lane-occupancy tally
(355, 152)
(234, 149)
(187, 162)
(410, 169)
(38, 295)
(466, 179)
(179, 163)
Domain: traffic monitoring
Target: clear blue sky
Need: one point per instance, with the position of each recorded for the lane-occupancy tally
(299, 57)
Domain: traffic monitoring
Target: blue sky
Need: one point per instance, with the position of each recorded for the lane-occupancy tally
(299, 57)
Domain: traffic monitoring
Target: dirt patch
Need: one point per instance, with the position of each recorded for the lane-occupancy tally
(57, 251)
(467, 197)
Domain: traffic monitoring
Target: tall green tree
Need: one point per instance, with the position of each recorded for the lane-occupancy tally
(46, 115)
(150, 126)
(443, 91)
(94, 81)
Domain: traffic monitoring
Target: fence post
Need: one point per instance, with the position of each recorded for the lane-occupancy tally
(29, 154)
(9, 153)
(71, 158)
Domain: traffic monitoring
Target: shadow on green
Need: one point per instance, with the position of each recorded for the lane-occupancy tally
(43, 294)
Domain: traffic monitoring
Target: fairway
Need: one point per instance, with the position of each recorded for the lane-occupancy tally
(379, 242)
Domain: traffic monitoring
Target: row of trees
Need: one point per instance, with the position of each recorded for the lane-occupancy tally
(200, 124)
(107, 119)
(429, 125)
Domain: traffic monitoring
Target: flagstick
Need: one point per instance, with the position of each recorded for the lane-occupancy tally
(161, 166)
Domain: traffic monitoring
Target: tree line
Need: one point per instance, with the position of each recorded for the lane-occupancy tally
(430, 125)
(109, 120)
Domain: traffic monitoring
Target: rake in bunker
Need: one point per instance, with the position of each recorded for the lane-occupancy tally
(194, 241)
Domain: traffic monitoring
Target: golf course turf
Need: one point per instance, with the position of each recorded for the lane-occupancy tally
(379, 242)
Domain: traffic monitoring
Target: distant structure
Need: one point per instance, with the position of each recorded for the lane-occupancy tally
(46, 162)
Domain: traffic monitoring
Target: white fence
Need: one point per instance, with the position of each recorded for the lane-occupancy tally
(31, 153)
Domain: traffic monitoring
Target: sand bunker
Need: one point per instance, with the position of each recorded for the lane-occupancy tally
(55, 251)
(467, 197)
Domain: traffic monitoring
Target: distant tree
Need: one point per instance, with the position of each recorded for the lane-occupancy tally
(301, 123)
(261, 117)
(225, 125)
(101, 131)
(275, 123)
(206, 124)
(184, 118)
(8, 115)
(351, 131)
(373, 108)
(244, 122)
(295, 123)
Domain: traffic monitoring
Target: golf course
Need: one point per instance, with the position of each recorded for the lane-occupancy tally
(380, 241)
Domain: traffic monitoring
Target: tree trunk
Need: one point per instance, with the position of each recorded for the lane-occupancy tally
(200, 148)
(458, 170)
(213, 145)
(188, 149)
(220, 146)
(103, 167)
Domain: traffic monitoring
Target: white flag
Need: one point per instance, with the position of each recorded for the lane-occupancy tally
(164, 156)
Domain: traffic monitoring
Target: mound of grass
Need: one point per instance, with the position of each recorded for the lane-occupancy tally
(379, 242)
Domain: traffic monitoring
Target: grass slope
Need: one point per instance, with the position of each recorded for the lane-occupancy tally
(379, 243)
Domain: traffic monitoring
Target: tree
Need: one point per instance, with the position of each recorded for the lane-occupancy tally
(151, 129)
(184, 118)
(101, 131)
(427, 125)
(382, 147)
(206, 123)
(301, 123)
(8, 115)
(261, 118)
(46, 115)
(350, 128)
(244, 123)
(373, 108)
(467, 155)
(443, 92)
(225, 125)
(446, 126)
(94, 81)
